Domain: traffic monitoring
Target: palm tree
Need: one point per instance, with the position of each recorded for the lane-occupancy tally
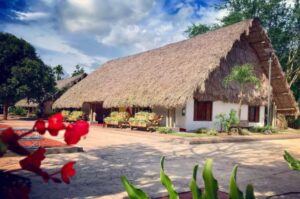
(58, 71)
(242, 75)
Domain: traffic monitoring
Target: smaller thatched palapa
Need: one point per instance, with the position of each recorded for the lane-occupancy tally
(60, 86)
(171, 75)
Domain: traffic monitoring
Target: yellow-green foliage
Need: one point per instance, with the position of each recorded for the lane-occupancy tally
(75, 115)
(116, 117)
(142, 119)
(65, 113)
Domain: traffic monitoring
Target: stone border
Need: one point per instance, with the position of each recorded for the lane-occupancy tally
(205, 140)
(245, 138)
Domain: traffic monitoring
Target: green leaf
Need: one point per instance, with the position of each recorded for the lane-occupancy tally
(234, 191)
(166, 182)
(211, 184)
(293, 163)
(196, 191)
(249, 192)
(133, 192)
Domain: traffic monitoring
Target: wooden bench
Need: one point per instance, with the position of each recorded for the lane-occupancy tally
(243, 124)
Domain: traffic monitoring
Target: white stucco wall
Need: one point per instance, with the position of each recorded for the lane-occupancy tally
(218, 108)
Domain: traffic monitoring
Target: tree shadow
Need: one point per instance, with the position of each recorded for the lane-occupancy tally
(99, 170)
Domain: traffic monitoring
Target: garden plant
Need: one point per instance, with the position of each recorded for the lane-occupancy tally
(210, 191)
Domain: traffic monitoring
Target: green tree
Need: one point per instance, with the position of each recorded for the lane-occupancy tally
(58, 71)
(242, 75)
(78, 70)
(22, 73)
(282, 22)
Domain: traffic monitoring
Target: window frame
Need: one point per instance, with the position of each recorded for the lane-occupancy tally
(200, 116)
(253, 118)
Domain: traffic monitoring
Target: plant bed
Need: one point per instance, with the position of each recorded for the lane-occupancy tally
(188, 195)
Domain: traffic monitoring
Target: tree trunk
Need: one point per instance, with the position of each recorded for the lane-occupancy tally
(5, 110)
(240, 103)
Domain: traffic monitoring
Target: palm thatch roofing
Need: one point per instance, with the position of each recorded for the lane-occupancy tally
(60, 86)
(170, 75)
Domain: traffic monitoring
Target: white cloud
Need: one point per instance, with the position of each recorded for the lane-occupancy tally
(125, 26)
(101, 15)
(209, 15)
(30, 16)
(159, 29)
(44, 38)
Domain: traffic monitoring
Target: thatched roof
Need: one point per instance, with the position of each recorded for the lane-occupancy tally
(60, 85)
(170, 75)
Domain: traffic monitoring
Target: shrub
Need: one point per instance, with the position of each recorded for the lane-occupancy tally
(75, 115)
(202, 130)
(17, 111)
(164, 130)
(227, 121)
(213, 132)
(244, 132)
(263, 129)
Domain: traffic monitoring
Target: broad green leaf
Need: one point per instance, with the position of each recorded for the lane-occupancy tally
(249, 192)
(234, 191)
(166, 181)
(196, 191)
(133, 192)
(211, 184)
(293, 163)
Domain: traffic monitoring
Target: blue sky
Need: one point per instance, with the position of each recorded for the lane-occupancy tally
(91, 32)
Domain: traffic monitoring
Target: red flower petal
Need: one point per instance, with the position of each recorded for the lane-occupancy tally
(71, 136)
(67, 171)
(10, 138)
(33, 161)
(40, 126)
(82, 127)
(75, 131)
(55, 124)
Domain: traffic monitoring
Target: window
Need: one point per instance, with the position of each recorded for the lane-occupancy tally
(253, 113)
(202, 110)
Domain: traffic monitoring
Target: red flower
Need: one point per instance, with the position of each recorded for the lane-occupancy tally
(10, 139)
(82, 127)
(75, 131)
(9, 136)
(55, 124)
(33, 163)
(40, 126)
(67, 171)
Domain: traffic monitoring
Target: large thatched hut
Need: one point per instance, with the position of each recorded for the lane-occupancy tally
(184, 81)
(61, 86)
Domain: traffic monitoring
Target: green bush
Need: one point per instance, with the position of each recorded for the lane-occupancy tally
(227, 121)
(164, 130)
(75, 115)
(211, 186)
(17, 111)
(202, 130)
(116, 117)
(263, 129)
(213, 132)
(244, 132)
